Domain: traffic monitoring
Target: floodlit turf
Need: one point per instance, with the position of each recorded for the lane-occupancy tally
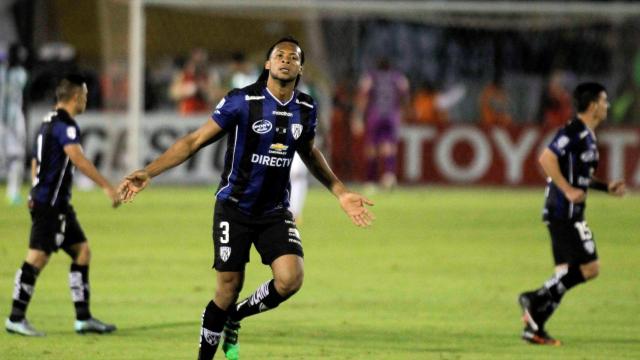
(436, 278)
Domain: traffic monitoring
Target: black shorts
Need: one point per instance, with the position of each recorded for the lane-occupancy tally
(572, 242)
(53, 228)
(274, 234)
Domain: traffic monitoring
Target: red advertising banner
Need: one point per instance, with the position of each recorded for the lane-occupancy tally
(468, 154)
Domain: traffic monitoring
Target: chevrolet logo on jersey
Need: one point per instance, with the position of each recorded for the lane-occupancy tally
(278, 149)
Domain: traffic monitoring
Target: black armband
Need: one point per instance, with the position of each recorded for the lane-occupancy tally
(599, 185)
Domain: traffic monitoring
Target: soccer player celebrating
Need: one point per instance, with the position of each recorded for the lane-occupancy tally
(569, 162)
(267, 122)
(54, 223)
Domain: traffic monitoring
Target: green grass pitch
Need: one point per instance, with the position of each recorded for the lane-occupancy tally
(436, 277)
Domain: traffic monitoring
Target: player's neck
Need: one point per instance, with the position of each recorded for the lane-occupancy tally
(589, 120)
(281, 90)
(69, 108)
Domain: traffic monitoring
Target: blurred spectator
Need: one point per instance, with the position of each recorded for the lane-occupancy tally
(430, 106)
(13, 80)
(494, 103)
(54, 60)
(192, 88)
(626, 106)
(556, 108)
(343, 154)
(243, 72)
(382, 96)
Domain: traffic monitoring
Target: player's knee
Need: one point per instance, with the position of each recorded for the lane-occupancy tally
(591, 271)
(82, 254)
(289, 284)
(37, 259)
(229, 286)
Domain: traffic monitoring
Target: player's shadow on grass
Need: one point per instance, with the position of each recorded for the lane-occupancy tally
(159, 326)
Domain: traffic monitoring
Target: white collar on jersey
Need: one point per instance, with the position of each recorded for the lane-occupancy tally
(278, 100)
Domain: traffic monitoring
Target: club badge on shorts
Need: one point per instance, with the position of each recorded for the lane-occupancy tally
(225, 252)
(296, 130)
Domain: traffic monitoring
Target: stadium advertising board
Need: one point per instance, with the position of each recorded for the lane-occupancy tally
(462, 154)
(455, 154)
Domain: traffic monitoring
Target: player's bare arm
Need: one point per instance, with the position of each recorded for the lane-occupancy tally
(34, 167)
(549, 162)
(180, 151)
(76, 155)
(352, 203)
(614, 187)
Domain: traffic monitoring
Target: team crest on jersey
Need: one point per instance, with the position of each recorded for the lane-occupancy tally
(296, 130)
(588, 156)
(225, 252)
(562, 142)
(261, 126)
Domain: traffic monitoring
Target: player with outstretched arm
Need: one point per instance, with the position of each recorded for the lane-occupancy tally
(266, 123)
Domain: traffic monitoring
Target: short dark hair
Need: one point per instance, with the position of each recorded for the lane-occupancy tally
(68, 86)
(585, 94)
(290, 39)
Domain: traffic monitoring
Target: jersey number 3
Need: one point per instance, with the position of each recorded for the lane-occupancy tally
(224, 236)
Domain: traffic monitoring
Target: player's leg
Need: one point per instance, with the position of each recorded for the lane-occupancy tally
(388, 153)
(279, 246)
(576, 262)
(214, 316)
(388, 138)
(46, 229)
(371, 149)
(75, 244)
(24, 286)
(288, 274)
(81, 294)
(232, 234)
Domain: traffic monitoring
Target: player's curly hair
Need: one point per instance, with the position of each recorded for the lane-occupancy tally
(290, 39)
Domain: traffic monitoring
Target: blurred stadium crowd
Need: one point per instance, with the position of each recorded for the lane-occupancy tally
(501, 72)
(457, 74)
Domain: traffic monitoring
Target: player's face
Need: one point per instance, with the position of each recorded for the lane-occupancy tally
(284, 64)
(81, 99)
(602, 106)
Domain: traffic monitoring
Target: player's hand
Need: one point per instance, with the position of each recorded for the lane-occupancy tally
(133, 184)
(354, 205)
(114, 195)
(575, 195)
(617, 188)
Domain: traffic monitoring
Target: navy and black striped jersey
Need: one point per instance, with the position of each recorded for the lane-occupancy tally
(54, 171)
(577, 152)
(263, 135)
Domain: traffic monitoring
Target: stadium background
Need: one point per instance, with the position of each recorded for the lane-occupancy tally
(437, 276)
(442, 44)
